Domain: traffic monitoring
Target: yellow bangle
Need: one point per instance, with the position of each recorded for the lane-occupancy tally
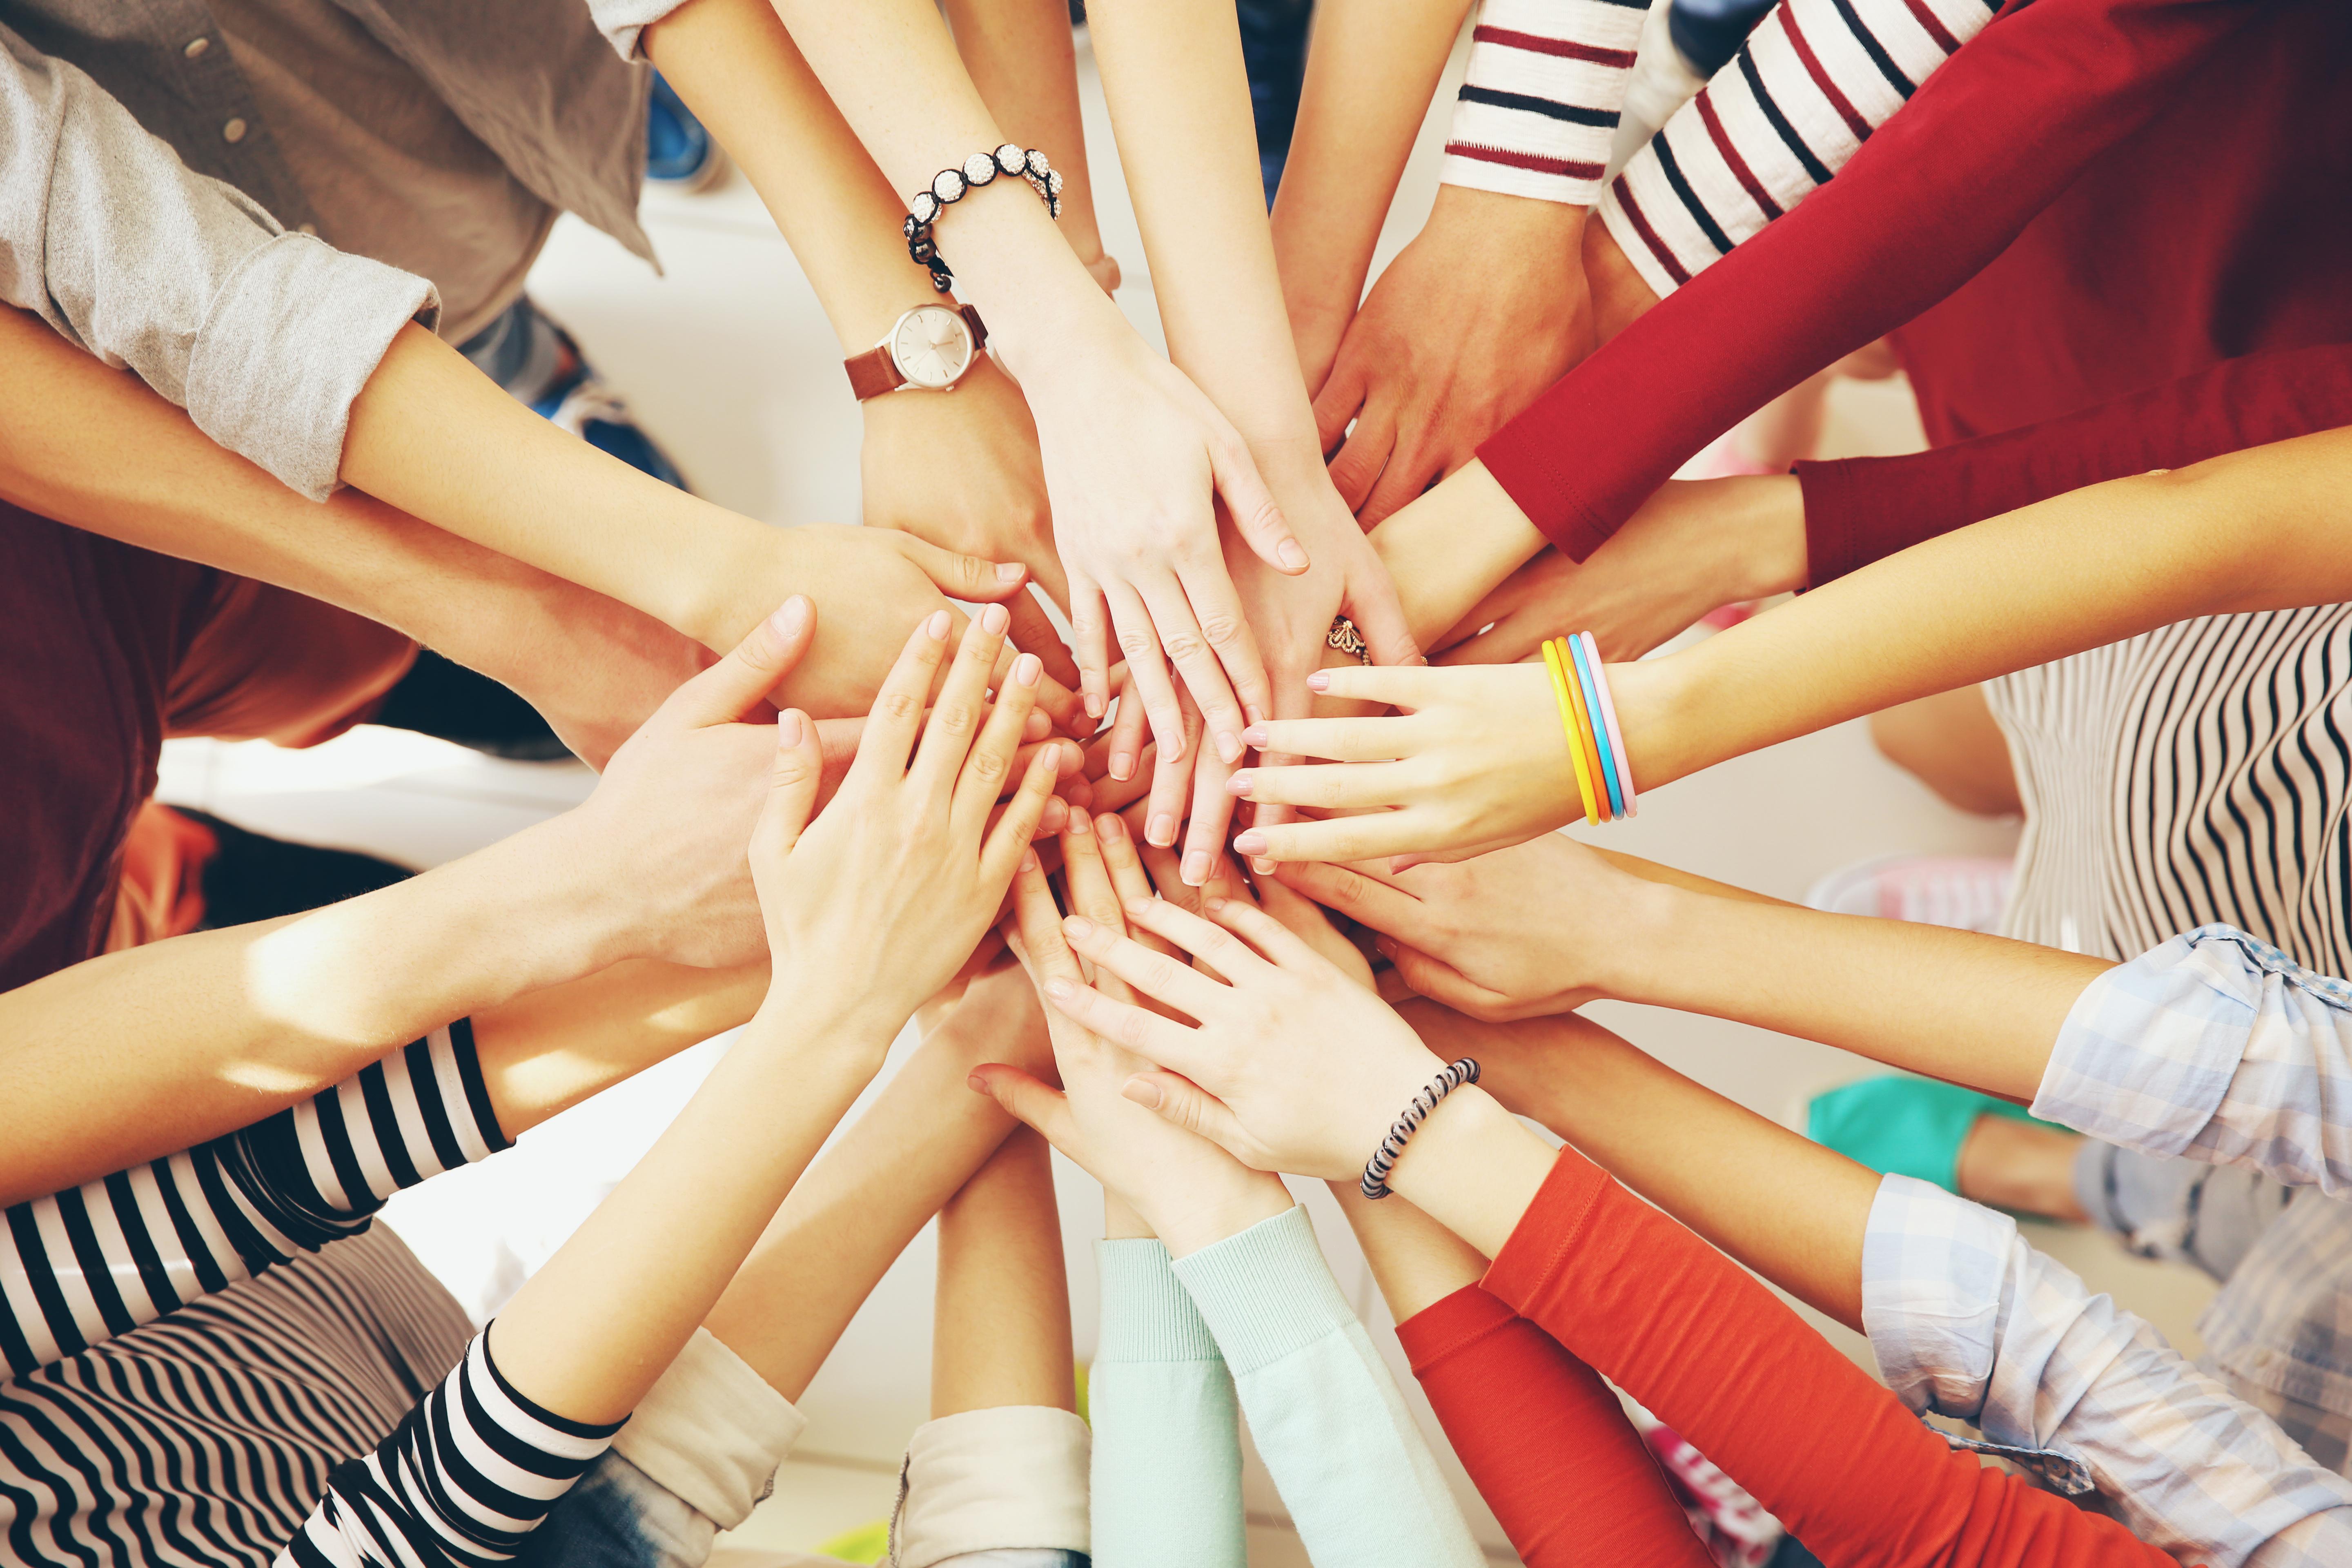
(1559, 689)
(1584, 734)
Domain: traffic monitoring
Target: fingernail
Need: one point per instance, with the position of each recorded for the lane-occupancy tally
(790, 617)
(1292, 555)
(1144, 1093)
(1080, 824)
(1213, 903)
(1418, 659)
(1060, 990)
(1385, 946)
(1123, 766)
(936, 628)
(1254, 714)
(1053, 815)
(1240, 783)
(1136, 908)
(1256, 735)
(1318, 682)
(1250, 843)
(976, 1083)
(1229, 746)
(1010, 570)
(1028, 668)
(1094, 703)
(1196, 868)
(790, 728)
(1110, 825)
(995, 619)
(1265, 867)
(1078, 928)
(1029, 860)
(1162, 831)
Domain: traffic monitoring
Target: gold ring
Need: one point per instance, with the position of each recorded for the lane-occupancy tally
(1349, 640)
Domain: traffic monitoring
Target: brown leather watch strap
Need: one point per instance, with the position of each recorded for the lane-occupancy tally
(873, 373)
(978, 330)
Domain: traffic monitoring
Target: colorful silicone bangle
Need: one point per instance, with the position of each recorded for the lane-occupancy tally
(1567, 728)
(1609, 718)
(1584, 732)
(1599, 729)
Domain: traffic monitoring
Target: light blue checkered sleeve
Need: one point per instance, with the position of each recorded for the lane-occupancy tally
(2215, 1046)
(1969, 1321)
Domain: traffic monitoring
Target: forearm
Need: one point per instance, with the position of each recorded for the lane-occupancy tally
(1000, 1322)
(1453, 547)
(1022, 59)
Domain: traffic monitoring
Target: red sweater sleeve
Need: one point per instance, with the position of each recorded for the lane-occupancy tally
(1936, 193)
(1544, 1439)
(1859, 509)
(1830, 1453)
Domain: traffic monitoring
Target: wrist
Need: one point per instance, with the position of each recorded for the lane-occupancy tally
(1496, 219)
(560, 880)
(1658, 702)
(1209, 1213)
(1620, 296)
(1768, 511)
(1450, 548)
(831, 1022)
(1473, 1168)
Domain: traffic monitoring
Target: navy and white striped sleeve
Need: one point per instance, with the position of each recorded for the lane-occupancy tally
(1540, 101)
(84, 1265)
(460, 1483)
(1805, 91)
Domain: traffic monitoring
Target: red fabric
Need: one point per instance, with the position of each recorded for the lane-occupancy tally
(1941, 189)
(1544, 1441)
(1716, 1356)
(1859, 509)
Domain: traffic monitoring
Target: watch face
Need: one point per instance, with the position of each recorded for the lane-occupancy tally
(932, 345)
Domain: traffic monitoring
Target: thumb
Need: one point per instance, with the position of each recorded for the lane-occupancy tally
(1179, 1099)
(732, 687)
(792, 784)
(1026, 1099)
(1252, 506)
(1442, 982)
(1371, 603)
(965, 577)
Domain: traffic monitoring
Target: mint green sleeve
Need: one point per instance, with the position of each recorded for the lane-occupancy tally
(1167, 1468)
(1352, 1468)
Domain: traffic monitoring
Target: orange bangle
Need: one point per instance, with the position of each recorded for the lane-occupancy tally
(1559, 689)
(1584, 733)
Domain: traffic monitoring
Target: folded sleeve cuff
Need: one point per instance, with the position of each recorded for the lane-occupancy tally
(623, 22)
(712, 1431)
(293, 333)
(1146, 1314)
(1934, 1268)
(1013, 1478)
(1267, 1291)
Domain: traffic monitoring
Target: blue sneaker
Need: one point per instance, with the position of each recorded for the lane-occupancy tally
(678, 151)
(538, 364)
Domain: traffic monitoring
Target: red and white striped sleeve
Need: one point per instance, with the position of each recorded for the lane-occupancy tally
(1812, 83)
(1539, 104)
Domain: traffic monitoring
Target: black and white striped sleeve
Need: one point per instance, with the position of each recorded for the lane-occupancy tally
(1540, 101)
(460, 1483)
(1806, 90)
(84, 1265)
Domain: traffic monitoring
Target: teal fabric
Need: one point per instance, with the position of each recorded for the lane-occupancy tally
(1167, 1466)
(1904, 1126)
(1360, 1482)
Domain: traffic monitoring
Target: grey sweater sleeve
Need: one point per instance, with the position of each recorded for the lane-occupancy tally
(264, 336)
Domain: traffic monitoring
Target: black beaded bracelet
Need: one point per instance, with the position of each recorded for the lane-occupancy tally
(1384, 1158)
(952, 185)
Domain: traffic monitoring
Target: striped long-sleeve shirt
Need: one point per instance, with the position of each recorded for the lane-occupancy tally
(1540, 101)
(81, 1266)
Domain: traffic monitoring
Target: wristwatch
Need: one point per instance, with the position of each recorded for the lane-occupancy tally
(928, 349)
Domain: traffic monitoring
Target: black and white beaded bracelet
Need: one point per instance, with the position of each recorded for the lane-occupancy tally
(950, 186)
(1452, 1077)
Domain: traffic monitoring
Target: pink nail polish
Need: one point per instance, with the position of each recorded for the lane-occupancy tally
(1250, 843)
(936, 628)
(995, 619)
(1028, 668)
(791, 727)
(1240, 783)
(1256, 735)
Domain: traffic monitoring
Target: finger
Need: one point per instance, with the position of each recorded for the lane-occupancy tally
(1204, 939)
(898, 715)
(1038, 924)
(1341, 398)
(1331, 786)
(1216, 607)
(1356, 467)
(1180, 1100)
(792, 785)
(1123, 743)
(983, 777)
(1087, 878)
(1359, 897)
(1345, 838)
(967, 577)
(1276, 943)
(1412, 467)
(1187, 648)
(1147, 669)
(1250, 503)
(1170, 781)
(1168, 879)
(1212, 816)
(955, 723)
(736, 684)
(1155, 974)
(1067, 759)
(1127, 878)
(1021, 820)
(1406, 686)
(1380, 740)
(1507, 641)
(1156, 1038)
(1301, 916)
(1027, 1099)
(1033, 632)
(1372, 603)
(1441, 982)
(1090, 641)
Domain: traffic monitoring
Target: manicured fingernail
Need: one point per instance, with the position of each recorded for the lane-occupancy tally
(1256, 735)
(1078, 928)
(1318, 682)
(1240, 783)
(995, 619)
(1080, 824)
(1196, 868)
(1136, 908)
(1123, 766)
(1250, 843)
(1229, 746)
(1292, 555)
(1265, 868)
(1160, 831)
(1009, 571)
(1110, 825)
(1094, 703)
(1028, 668)
(1143, 1091)
(1052, 816)
(936, 628)
(790, 617)
(790, 726)
(1060, 990)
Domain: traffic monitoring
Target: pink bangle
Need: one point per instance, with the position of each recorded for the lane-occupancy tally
(1609, 718)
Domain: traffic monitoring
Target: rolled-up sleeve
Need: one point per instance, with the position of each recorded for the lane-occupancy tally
(623, 22)
(2217, 1047)
(264, 336)
(1966, 1320)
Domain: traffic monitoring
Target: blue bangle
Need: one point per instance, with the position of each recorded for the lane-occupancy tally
(1599, 730)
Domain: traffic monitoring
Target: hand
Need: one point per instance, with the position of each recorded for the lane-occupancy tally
(1693, 546)
(603, 672)
(1522, 933)
(1186, 1190)
(875, 905)
(1134, 458)
(1479, 760)
(680, 797)
(1485, 309)
(1293, 1066)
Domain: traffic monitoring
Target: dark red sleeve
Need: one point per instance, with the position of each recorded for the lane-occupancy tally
(1859, 509)
(1937, 191)
(1547, 1444)
(1830, 1454)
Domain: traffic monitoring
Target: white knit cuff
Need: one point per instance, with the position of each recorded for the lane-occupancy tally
(1010, 1477)
(712, 1430)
